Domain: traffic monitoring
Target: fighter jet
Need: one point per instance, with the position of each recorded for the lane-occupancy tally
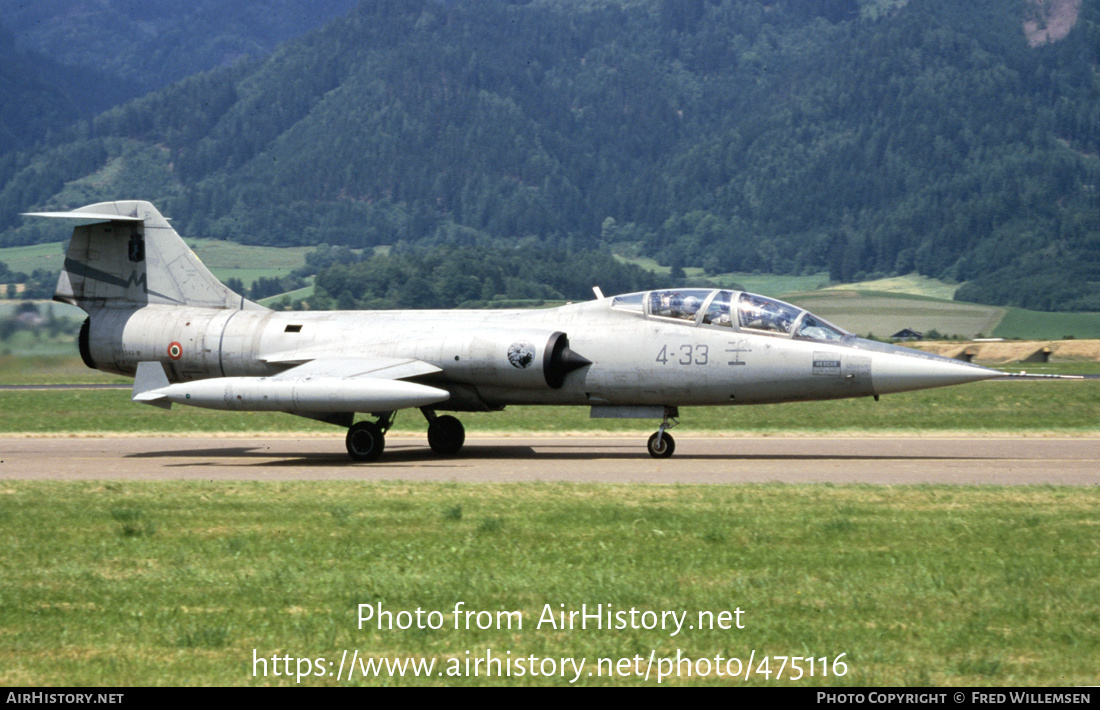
(157, 314)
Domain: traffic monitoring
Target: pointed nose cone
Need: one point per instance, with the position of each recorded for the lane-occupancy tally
(900, 373)
(896, 369)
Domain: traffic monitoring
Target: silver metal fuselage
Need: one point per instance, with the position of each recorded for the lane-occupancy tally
(635, 358)
(155, 312)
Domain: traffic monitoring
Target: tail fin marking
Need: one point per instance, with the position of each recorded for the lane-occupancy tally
(130, 256)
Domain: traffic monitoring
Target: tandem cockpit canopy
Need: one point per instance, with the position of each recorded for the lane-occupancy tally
(738, 310)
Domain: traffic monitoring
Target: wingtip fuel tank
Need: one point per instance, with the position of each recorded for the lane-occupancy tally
(321, 395)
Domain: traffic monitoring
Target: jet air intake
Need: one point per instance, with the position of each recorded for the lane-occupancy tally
(559, 360)
(523, 358)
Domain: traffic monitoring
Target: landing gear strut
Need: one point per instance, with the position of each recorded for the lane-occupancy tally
(446, 435)
(661, 444)
(367, 440)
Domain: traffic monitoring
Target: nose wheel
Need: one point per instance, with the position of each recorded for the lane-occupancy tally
(661, 444)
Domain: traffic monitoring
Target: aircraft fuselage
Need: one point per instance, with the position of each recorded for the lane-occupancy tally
(635, 360)
(157, 313)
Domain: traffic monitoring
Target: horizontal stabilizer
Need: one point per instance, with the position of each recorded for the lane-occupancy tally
(89, 216)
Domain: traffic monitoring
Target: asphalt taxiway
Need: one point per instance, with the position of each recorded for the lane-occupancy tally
(957, 460)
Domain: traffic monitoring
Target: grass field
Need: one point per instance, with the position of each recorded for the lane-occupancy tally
(186, 583)
(296, 295)
(36, 256)
(29, 346)
(52, 369)
(1068, 407)
(226, 260)
(767, 284)
(193, 583)
(885, 313)
(912, 284)
(1019, 323)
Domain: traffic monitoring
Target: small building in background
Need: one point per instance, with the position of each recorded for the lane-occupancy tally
(908, 334)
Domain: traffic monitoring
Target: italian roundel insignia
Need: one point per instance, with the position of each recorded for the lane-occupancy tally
(175, 351)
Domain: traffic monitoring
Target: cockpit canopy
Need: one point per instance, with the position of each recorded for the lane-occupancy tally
(738, 310)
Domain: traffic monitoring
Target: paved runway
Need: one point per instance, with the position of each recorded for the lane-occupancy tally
(618, 459)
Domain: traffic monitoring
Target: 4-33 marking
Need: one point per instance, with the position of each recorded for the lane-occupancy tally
(686, 354)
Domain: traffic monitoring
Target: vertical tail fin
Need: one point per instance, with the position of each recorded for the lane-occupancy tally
(131, 257)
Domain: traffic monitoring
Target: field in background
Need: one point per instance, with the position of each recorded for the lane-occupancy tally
(911, 284)
(290, 297)
(767, 284)
(226, 260)
(883, 314)
(1019, 323)
(37, 256)
(1032, 407)
(881, 307)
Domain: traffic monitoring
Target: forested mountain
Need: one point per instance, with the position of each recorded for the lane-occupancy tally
(859, 136)
(66, 60)
(40, 95)
(142, 45)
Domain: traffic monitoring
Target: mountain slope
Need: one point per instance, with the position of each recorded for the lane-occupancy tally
(147, 44)
(775, 136)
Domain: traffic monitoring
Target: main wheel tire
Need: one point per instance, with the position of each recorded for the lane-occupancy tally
(365, 441)
(666, 447)
(446, 435)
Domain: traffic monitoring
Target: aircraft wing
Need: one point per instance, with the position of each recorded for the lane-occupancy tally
(383, 368)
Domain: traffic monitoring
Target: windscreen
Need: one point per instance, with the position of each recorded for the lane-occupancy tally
(726, 308)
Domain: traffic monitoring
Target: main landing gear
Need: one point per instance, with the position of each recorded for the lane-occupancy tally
(446, 435)
(367, 440)
(661, 444)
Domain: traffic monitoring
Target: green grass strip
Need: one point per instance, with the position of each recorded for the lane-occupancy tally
(178, 583)
(994, 407)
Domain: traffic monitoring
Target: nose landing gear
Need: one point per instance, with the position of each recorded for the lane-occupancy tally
(661, 444)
